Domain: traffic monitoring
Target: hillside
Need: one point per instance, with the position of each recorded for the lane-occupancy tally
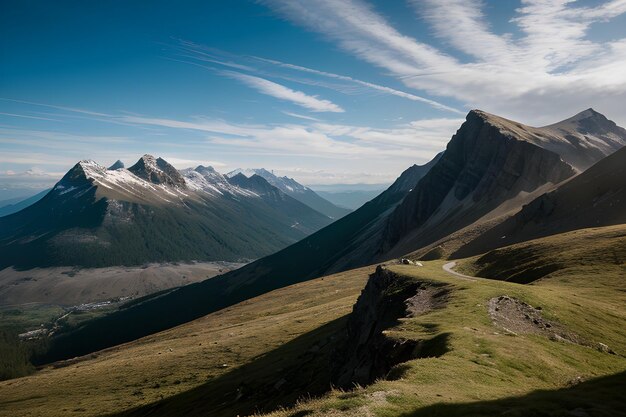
(422, 342)
(597, 197)
(296, 190)
(149, 213)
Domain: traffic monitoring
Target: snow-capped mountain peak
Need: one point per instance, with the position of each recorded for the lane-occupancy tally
(157, 171)
(285, 184)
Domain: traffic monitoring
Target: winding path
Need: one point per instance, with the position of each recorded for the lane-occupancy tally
(448, 268)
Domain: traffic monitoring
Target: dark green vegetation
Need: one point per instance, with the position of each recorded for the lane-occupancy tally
(84, 223)
(14, 356)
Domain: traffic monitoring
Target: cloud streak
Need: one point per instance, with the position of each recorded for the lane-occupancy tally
(551, 69)
(282, 92)
(194, 51)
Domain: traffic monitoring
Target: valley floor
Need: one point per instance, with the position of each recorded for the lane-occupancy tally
(69, 286)
(555, 347)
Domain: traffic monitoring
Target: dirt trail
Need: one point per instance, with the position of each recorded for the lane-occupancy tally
(448, 268)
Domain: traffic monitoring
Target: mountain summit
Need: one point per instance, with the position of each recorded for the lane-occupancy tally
(296, 190)
(157, 171)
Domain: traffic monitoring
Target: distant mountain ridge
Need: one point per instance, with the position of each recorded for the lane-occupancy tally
(151, 212)
(296, 190)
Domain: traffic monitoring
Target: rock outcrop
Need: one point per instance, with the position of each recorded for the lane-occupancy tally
(368, 352)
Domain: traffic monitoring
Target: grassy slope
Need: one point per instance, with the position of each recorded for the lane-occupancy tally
(268, 333)
(486, 371)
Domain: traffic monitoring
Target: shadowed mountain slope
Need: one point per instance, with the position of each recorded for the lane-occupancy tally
(482, 169)
(331, 248)
(595, 198)
(296, 190)
(150, 213)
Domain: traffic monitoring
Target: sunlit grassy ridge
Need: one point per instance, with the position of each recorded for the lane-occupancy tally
(278, 347)
(489, 371)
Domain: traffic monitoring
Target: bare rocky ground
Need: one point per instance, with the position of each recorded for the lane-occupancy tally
(68, 286)
(518, 317)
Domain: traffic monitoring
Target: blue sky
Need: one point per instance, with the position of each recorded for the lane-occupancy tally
(327, 91)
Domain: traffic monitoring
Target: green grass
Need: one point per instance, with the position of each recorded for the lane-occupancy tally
(260, 341)
(485, 371)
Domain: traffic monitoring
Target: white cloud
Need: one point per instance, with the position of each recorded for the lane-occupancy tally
(200, 53)
(281, 92)
(552, 70)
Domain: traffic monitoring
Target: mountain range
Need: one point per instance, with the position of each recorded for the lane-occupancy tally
(152, 212)
(491, 169)
(296, 190)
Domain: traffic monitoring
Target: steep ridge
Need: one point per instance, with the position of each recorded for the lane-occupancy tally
(157, 171)
(595, 198)
(296, 190)
(344, 242)
(149, 213)
(481, 169)
(581, 141)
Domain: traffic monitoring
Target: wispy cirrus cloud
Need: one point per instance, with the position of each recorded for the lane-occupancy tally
(547, 69)
(203, 54)
(282, 92)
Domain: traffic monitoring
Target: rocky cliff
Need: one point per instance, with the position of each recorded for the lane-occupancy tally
(369, 351)
(482, 168)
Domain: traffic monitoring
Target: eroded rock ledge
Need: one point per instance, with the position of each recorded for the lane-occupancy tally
(368, 352)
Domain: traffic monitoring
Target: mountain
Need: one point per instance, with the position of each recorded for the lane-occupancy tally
(490, 168)
(296, 190)
(279, 200)
(581, 141)
(149, 213)
(116, 165)
(483, 167)
(595, 198)
(14, 207)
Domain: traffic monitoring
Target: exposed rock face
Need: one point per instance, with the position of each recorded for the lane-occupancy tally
(481, 169)
(368, 352)
(595, 198)
(157, 171)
